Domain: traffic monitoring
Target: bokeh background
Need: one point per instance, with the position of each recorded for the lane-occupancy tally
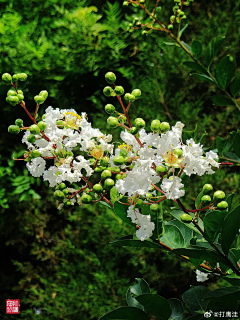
(60, 264)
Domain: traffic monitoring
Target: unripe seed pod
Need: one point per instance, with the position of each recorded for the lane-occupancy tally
(110, 77)
(218, 196)
(134, 130)
(223, 205)
(118, 160)
(106, 174)
(44, 94)
(22, 76)
(31, 138)
(207, 189)
(35, 154)
(128, 161)
(11, 92)
(104, 162)
(15, 77)
(67, 203)
(59, 195)
(62, 186)
(131, 97)
(154, 207)
(186, 218)
(160, 169)
(123, 152)
(42, 125)
(125, 3)
(39, 99)
(98, 169)
(170, 27)
(60, 124)
(98, 188)
(112, 122)
(136, 93)
(19, 122)
(108, 91)
(178, 152)
(109, 108)
(13, 129)
(164, 126)
(115, 169)
(139, 203)
(119, 176)
(139, 123)
(34, 129)
(127, 96)
(206, 199)
(119, 90)
(155, 125)
(7, 77)
(65, 191)
(20, 96)
(108, 184)
(13, 100)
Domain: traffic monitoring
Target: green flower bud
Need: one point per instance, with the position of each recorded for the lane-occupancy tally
(125, 3)
(136, 93)
(15, 77)
(67, 203)
(11, 92)
(34, 129)
(13, 100)
(108, 91)
(35, 154)
(19, 122)
(106, 174)
(39, 99)
(44, 94)
(139, 203)
(206, 199)
(178, 152)
(60, 124)
(31, 138)
(172, 18)
(104, 162)
(128, 161)
(61, 186)
(42, 125)
(123, 152)
(44, 116)
(160, 169)
(112, 122)
(98, 169)
(69, 154)
(13, 129)
(59, 195)
(115, 169)
(110, 77)
(119, 90)
(223, 205)
(7, 77)
(22, 76)
(149, 195)
(218, 196)
(164, 126)
(66, 192)
(131, 97)
(186, 218)
(108, 184)
(134, 130)
(109, 108)
(127, 96)
(139, 123)
(154, 207)
(97, 188)
(118, 160)
(20, 97)
(119, 176)
(155, 125)
(184, 17)
(207, 189)
(170, 27)
(122, 118)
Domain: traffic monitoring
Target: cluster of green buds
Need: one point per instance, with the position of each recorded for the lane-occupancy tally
(15, 129)
(41, 97)
(126, 3)
(14, 96)
(160, 127)
(218, 197)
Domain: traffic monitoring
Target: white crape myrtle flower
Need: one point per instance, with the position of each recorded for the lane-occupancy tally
(201, 276)
(36, 167)
(172, 188)
(143, 221)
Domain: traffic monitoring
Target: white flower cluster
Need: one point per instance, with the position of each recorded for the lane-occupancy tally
(201, 276)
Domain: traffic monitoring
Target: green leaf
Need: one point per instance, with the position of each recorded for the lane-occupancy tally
(105, 204)
(194, 66)
(233, 279)
(235, 86)
(156, 305)
(194, 299)
(182, 30)
(177, 309)
(177, 214)
(186, 232)
(187, 46)
(228, 296)
(213, 224)
(212, 49)
(190, 134)
(127, 313)
(121, 211)
(114, 195)
(135, 243)
(198, 200)
(136, 290)
(231, 156)
(221, 101)
(203, 77)
(172, 237)
(231, 226)
(236, 143)
(196, 48)
(170, 43)
(229, 198)
(225, 71)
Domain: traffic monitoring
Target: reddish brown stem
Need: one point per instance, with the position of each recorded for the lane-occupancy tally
(157, 188)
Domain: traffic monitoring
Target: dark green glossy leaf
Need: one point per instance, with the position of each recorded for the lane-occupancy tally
(235, 85)
(177, 309)
(233, 279)
(203, 77)
(194, 298)
(231, 226)
(213, 224)
(121, 211)
(182, 30)
(177, 214)
(127, 313)
(106, 205)
(172, 237)
(190, 134)
(136, 243)
(195, 66)
(236, 143)
(186, 232)
(221, 101)
(229, 198)
(187, 46)
(198, 200)
(196, 48)
(136, 290)
(226, 298)
(156, 305)
(212, 49)
(231, 156)
(225, 71)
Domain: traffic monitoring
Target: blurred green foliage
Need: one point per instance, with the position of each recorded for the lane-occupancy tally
(61, 261)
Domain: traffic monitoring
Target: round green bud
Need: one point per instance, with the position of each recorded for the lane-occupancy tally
(110, 77)
(149, 195)
(139, 203)
(160, 169)
(7, 77)
(207, 189)
(98, 188)
(164, 126)
(184, 17)
(134, 130)
(65, 191)
(59, 195)
(108, 184)
(13, 100)
(67, 203)
(20, 97)
(170, 27)
(104, 162)
(128, 161)
(39, 99)
(206, 199)
(154, 207)
(125, 3)
(172, 18)
(218, 196)
(13, 129)
(61, 186)
(139, 123)
(98, 169)
(31, 138)
(108, 91)
(34, 129)
(106, 174)
(119, 90)
(110, 109)
(22, 76)
(155, 125)
(178, 152)
(44, 94)
(19, 122)
(112, 122)
(186, 218)
(136, 93)
(44, 116)
(15, 77)
(118, 160)
(35, 154)
(69, 154)
(60, 124)
(127, 96)
(11, 92)
(42, 125)
(131, 97)
(223, 205)
(123, 152)
(119, 176)
(122, 118)
(115, 169)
